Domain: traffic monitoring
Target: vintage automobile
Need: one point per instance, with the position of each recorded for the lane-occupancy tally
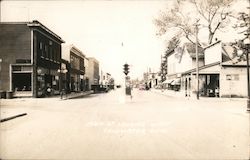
(99, 88)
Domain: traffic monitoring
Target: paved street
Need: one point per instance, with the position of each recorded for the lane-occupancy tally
(112, 126)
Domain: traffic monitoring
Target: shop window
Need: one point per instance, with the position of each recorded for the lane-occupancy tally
(21, 81)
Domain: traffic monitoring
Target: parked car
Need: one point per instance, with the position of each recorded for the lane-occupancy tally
(99, 88)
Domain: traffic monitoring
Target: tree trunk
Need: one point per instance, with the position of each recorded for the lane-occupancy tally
(210, 38)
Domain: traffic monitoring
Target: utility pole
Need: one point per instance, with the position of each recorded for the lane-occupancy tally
(0, 11)
(197, 59)
(161, 70)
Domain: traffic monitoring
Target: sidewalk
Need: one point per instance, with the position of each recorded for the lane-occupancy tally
(177, 94)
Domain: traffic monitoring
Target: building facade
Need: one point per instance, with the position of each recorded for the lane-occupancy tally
(222, 73)
(181, 60)
(93, 71)
(77, 79)
(31, 57)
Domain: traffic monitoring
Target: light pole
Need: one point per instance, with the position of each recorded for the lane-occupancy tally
(127, 79)
(197, 59)
(62, 90)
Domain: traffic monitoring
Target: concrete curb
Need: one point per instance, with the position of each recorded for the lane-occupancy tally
(72, 96)
(12, 117)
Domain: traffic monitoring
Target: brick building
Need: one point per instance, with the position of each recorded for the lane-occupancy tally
(31, 57)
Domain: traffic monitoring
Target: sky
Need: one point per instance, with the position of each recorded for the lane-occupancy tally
(114, 32)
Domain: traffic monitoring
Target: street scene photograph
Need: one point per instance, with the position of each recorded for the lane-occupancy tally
(124, 80)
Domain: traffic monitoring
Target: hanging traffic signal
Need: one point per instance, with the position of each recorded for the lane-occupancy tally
(126, 69)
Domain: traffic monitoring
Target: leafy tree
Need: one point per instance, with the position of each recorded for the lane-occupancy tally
(171, 45)
(213, 15)
(243, 26)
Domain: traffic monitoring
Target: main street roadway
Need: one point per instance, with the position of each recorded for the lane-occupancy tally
(112, 126)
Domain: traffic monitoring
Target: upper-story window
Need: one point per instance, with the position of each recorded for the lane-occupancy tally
(75, 62)
(41, 49)
(50, 52)
(41, 45)
(46, 51)
(82, 64)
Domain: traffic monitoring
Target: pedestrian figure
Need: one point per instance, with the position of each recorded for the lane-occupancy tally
(63, 94)
(216, 92)
(131, 88)
(48, 90)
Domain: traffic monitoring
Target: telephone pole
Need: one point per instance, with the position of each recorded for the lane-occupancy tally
(197, 59)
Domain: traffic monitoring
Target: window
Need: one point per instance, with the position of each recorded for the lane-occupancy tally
(53, 54)
(50, 52)
(41, 45)
(56, 56)
(236, 77)
(41, 51)
(46, 51)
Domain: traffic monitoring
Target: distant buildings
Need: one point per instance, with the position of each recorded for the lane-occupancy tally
(107, 80)
(33, 62)
(93, 71)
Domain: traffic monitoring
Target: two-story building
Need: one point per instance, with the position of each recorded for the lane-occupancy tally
(180, 60)
(31, 57)
(76, 71)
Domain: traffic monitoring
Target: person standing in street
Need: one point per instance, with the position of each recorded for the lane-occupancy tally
(48, 90)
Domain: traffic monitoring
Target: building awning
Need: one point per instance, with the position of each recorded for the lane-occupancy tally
(168, 81)
(176, 81)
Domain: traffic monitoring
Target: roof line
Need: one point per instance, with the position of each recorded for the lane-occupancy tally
(202, 67)
(36, 23)
(212, 44)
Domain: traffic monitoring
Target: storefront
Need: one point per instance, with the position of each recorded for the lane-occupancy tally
(47, 78)
(21, 79)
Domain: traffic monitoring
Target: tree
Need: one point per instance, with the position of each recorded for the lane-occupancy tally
(171, 45)
(243, 26)
(213, 14)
